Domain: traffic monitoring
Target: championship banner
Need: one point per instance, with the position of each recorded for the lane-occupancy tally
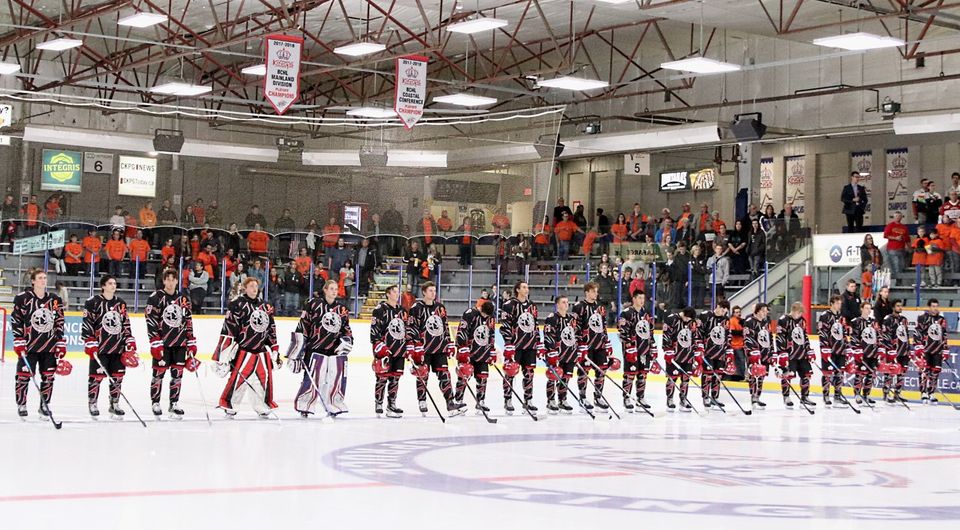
(281, 84)
(796, 167)
(766, 182)
(411, 89)
(861, 162)
(898, 171)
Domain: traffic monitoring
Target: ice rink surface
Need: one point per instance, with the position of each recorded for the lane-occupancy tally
(885, 468)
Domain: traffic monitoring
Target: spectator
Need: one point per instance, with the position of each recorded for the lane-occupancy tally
(213, 214)
(130, 222)
(117, 220)
(285, 223)
(198, 281)
(229, 264)
(285, 226)
(73, 256)
(664, 215)
(954, 183)
(708, 235)
(603, 222)
(303, 262)
(854, 199)
(237, 278)
(337, 256)
(413, 257)
(320, 277)
(392, 220)
(933, 204)
(331, 233)
(626, 297)
(168, 251)
(718, 270)
(428, 227)
(667, 242)
(920, 203)
(607, 290)
(637, 283)
(209, 261)
(51, 206)
(347, 277)
(950, 234)
(199, 212)
(792, 221)
(257, 243)
(883, 306)
(166, 216)
(541, 239)
(637, 223)
(717, 222)
(919, 247)
(255, 217)
(935, 252)
(736, 338)
(64, 294)
(276, 290)
(56, 257)
(139, 254)
(31, 214)
(565, 230)
(257, 271)
(292, 281)
(666, 227)
(737, 249)
(366, 260)
(684, 232)
(189, 218)
(620, 230)
(500, 222)
(444, 223)
(685, 214)
(897, 237)
(951, 207)
(768, 219)
(850, 301)
(231, 240)
(559, 210)
(747, 220)
(870, 257)
(466, 243)
(698, 266)
(147, 218)
(116, 250)
(757, 248)
(704, 219)
(587, 246)
(8, 211)
(91, 250)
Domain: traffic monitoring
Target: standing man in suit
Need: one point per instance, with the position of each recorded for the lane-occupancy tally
(854, 198)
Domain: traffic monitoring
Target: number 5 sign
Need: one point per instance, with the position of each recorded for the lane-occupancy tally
(98, 163)
(636, 164)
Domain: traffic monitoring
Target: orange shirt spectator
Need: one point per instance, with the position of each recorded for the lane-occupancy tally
(116, 249)
(194, 247)
(209, 262)
(229, 266)
(131, 231)
(444, 223)
(303, 264)
(587, 246)
(543, 231)
(139, 249)
(866, 280)
(500, 221)
(565, 230)
(935, 250)
(736, 333)
(167, 251)
(71, 251)
(920, 250)
(257, 241)
(91, 249)
(331, 233)
(717, 223)
(619, 231)
(199, 213)
(53, 208)
(31, 211)
(427, 223)
(148, 217)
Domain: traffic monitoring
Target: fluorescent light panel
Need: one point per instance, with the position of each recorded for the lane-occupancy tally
(476, 25)
(59, 45)
(859, 41)
(181, 89)
(465, 100)
(926, 123)
(9, 68)
(142, 20)
(372, 112)
(700, 65)
(573, 83)
(257, 69)
(359, 48)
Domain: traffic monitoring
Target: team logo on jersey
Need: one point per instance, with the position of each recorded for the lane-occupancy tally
(764, 338)
(259, 320)
(836, 331)
(685, 338)
(434, 326)
(595, 322)
(330, 322)
(527, 322)
(481, 336)
(173, 316)
(902, 333)
(396, 329)
(112, 322)
(718, 335)
(642, 329)
(568, 336)
(869, 335)
(935, 332)
(42, 320)
(797, 335)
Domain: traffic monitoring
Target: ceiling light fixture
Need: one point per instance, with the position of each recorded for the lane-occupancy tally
(9, 68)
(359, 48)
(372, 112)
(142, 20)
(465, 100)
(859, 41)
(569, 82)
(181, 89)
(476, 25)
(926, 123)
(700, 65)
(257, 69)
(59, 45)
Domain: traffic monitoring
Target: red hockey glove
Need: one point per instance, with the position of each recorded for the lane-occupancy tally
(91, 348)
(381, 365)
(463, 355)
(730, 361)
(156, 348)
(192, 347)
(614, 364)
(630, 354)
(64, 367)
(555, 373)
(380, 350)
(129, 359)
(668, 359)
(61, 349)
(511, 368)
(465, 370)
(582, 349)
(509, 353)
(451, 350)
(921, 362)
(553, 358)
(20, 347)
(697, 367)
(541, 351)
(192, 364)
(609, 349)
(420, 371)
(783, 360)
(655, 367)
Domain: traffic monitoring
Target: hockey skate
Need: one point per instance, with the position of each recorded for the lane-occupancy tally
(508, 406)
(378, 408)
(586, 403)
(806, 401)
(530, 406)
(628, 404)
(230, 413)
(43, 410)
(94, 410)
(393, 411)
(552, 407)
(115, 411)
(643, 403)
(422, 404)
(933, 399)
(455, 409)
(859, 399)
(157, 410)
(565, 408)
(787, 402)
(869, 400)
(22, 411)
(481, 407)
(175, 411)
(924, 398)
(670, 406)
(685, 405)
(827, 402)
(601, 403)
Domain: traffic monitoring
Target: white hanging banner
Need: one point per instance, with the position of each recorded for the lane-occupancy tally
(766, 183)
(796, 182)
(281, 84)
(861, 162)
(411, 89)
(898, 173)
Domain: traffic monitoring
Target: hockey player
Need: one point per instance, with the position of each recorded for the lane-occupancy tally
(682, 353)
(37, 325)
(560, 339)
(172, 344)
(929, 347)
(320, 346)
(522, 344)
(757, 341)
(429, 333)
(794, 354)
(718, 357)
(635, 329)
(864, 346)
(388, 335)
(475, 351)
(832, 330)
(594, 344)
(109, 343)
(896, 352)
(248, 351)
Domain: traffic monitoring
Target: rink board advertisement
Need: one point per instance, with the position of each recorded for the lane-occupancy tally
(207, 331)
(839, 250)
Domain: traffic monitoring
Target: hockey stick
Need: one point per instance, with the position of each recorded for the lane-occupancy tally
(479, 407)
(789, 385)
(427, 390)
(941, 392)
(106, 374)
(720, 379)
(689, 378)
(514, 391)
(608, 378)
(839, 396)
(597, 387)
(203, 399)
(563, 382)
(43, 402)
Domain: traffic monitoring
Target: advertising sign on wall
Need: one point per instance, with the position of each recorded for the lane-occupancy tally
(61, 170)
(137, 176)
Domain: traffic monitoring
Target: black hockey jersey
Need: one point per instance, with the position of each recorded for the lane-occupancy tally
(592, 318)
(37, 323)
(930, 335)
(428, 327)
(389, 327)
(756, 337)
(792, 339)
(635, 329)
(715, 335)
(106, 323)
(249, 323)
(324, 325)
(865, 336)
(560, 336)
(170, 319)
(475, 335)
(518, 324)
(832, 331)
(680, 339)
(895, 335)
